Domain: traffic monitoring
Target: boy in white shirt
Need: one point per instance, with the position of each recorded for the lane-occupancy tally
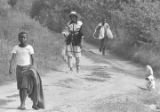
(23, 54)
(74, 39)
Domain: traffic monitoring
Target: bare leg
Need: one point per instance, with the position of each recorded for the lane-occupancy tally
(103, 51)
(70, 63)
(100, 48)
(20, 96)
(77, 64)
(103, 46)
(23, 96)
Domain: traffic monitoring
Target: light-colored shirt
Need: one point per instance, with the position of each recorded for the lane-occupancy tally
(103, 30)
(23, 54)
(74, 26)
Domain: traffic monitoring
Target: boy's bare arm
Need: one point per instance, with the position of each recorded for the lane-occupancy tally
(11, 63)
(32, 60)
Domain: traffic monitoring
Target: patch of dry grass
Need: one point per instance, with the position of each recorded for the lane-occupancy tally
(126, 103)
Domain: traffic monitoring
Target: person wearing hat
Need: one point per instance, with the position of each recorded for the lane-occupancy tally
(74, 36)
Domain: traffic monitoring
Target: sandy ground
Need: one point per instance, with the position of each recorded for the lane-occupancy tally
(100, 79)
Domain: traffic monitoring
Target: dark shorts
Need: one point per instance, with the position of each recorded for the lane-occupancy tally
(28, 78)
(22, 76)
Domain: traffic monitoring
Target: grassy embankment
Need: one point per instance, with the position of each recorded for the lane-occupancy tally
(46, 44)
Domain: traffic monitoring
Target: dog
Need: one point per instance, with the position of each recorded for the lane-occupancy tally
(150, 82)
(150, 78)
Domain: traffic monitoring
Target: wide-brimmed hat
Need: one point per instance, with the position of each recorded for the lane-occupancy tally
(73, 13)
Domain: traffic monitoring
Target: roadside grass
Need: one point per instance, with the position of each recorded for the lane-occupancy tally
(142, 101)
(47, 44)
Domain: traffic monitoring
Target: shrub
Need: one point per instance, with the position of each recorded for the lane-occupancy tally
(135, 25)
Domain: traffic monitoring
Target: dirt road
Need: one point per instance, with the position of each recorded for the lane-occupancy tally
(102, 81)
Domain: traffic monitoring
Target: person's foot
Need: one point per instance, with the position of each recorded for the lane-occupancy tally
(71, 69)
(68, 70)
(35, 107)
(21, 108)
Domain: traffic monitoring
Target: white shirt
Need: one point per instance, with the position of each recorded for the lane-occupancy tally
(103, 30)
(23, 54)
(75, 26)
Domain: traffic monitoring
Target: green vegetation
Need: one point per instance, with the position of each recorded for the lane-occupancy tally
(135, 24)
(46, 44)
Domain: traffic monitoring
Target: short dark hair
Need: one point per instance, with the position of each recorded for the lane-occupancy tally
(21, 34)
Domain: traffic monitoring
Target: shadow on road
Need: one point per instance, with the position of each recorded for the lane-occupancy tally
(4, 102)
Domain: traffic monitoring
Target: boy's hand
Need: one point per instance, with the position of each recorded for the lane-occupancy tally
(11, 63)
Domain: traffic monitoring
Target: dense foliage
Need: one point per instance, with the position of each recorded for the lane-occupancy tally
(135, 23)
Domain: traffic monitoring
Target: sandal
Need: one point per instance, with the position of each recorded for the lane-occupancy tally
(21, 108)
(35, 107)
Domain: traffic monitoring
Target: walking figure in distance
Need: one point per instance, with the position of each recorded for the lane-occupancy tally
(73, 38)
(104, 34)
(28, 80)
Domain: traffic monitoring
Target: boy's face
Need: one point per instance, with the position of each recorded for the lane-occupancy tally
(23, 39)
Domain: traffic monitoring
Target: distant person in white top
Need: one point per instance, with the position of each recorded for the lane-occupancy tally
(26, 79)
(150, 78)
(103, 33)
